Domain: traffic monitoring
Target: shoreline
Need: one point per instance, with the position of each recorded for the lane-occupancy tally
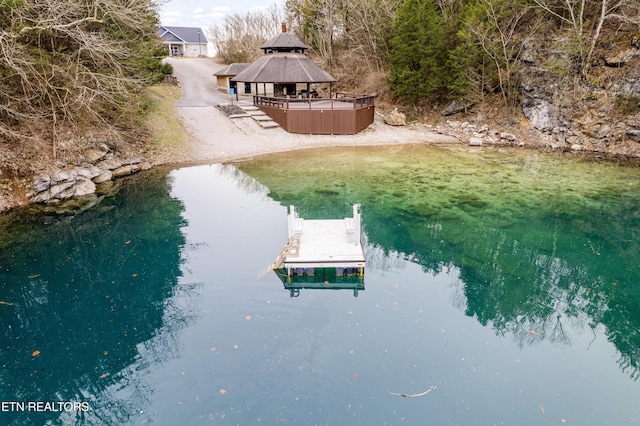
(216, 138)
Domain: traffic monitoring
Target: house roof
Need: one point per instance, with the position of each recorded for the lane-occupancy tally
(233, 69)
(283, 68)
(193, 35)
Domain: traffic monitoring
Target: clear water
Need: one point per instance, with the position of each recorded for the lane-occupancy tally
(509, 281)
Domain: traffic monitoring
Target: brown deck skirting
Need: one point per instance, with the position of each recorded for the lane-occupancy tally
(346, 115)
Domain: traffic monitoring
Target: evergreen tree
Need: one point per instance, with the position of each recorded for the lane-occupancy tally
(418, 55)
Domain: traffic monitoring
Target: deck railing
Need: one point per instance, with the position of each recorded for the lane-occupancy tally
(340, 101)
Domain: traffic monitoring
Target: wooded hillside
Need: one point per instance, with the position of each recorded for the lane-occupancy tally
(73, 67)
(569, 68)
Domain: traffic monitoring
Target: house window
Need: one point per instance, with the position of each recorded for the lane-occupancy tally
(247, 88)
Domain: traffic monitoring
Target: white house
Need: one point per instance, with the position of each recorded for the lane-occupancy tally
(184, 41)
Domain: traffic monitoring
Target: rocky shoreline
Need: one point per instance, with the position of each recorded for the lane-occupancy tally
(100, 165)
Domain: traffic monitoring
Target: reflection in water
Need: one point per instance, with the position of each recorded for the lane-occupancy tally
(321, 279)
(540, 242)
(148, 307)
(88, 303)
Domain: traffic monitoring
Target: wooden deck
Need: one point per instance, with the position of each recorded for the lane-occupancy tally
(346, 114)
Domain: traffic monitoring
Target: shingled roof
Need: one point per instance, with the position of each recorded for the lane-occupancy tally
(284, 62)
(233, 69)
(283, 68)
(284, 42)
(182, 34)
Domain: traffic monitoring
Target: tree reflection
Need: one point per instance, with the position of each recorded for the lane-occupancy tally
(533, 260)
(95, 294)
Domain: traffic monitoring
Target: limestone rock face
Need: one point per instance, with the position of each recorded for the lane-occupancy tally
(99, 165)
(596, 113)
(395, 118)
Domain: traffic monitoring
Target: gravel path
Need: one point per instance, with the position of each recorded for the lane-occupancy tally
(217, 138)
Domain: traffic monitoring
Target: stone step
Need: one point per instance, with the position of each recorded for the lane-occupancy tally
(263, 117)
(268, 124)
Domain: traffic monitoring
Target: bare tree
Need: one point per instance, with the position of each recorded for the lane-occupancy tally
(586, 18)
(368, 29)
(499, 29)
(65, 62)
(239, 36)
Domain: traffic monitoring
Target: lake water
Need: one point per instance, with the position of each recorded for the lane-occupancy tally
(505, 282)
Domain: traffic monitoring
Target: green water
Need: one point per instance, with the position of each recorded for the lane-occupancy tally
(507, 280)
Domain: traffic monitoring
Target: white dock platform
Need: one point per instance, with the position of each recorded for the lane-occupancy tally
(333, 243)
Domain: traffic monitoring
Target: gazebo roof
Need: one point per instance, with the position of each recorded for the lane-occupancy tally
(284, 68)
(284, 42)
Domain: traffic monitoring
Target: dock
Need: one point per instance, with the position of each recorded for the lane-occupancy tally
(322, 244)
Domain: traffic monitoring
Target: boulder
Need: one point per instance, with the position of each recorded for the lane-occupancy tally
(109, 163)
(41, 183)
(61, 191)
(94, 155)
(474, 141)
(621, 57)
(633, 134)
(125, 170)
(83, 186)
(454, 107)
(62, 176)
(542, 115)
(395, 118)
(507, 136)
(88, 172)
(105, 176)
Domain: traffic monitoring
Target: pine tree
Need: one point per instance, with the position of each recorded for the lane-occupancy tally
(418, 54)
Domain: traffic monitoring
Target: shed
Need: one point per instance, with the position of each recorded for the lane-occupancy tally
(224, 76)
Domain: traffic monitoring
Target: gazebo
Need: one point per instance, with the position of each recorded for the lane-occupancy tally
(295, 104)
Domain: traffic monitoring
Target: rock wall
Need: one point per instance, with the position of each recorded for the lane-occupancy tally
(98, 165)
(599, 112)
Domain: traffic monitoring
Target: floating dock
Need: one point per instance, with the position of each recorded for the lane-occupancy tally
(321, 244)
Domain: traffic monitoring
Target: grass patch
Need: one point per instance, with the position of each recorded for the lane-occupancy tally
(162, 121)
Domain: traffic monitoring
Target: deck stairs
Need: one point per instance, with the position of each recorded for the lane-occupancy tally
(258, 115)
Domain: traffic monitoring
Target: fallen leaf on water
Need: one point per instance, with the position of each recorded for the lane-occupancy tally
(134, 275)
(222, 391)
(213, 349)
(535, 333)
(104, 376)
(614, 283)
(128, 242)
(35, 353)
(248, 317)
(235, 346)
(106, 353)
